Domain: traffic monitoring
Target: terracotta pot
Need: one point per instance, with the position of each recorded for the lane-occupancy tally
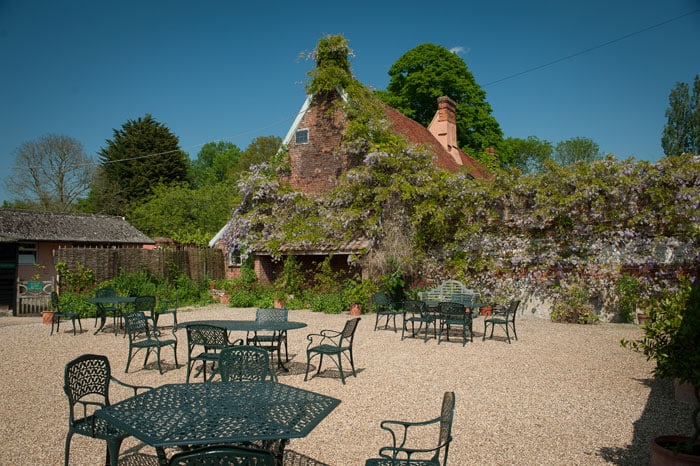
(355, 309)
(485, 310)
(662, 456)
(47, 317)
(279, 303)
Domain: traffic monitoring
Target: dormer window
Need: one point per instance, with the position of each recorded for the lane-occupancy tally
(302, 136)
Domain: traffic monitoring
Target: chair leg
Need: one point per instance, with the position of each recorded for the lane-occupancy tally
(66, 454)
(340, 366)
(128, 361)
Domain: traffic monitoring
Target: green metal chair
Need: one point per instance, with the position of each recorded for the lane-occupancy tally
(244, 363)
(86, 383)
(504, 317)
(400, 453)
(214, 455)
(333, 344)
(271, 341)
(142, 336)
(59, 315)
(166, 307)
(204, 342)
(455, 314)
(417, 312)
(385, 308)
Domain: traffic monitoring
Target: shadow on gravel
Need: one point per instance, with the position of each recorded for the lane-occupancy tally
(662, 415)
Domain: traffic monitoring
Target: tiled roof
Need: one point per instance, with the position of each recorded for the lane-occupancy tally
(24, 225)
(419, 134)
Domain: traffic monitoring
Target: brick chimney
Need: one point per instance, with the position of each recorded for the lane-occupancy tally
(444, 126)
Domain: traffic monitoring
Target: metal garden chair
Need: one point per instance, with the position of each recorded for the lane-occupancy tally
(402, 453)
(270, 341)
(504, 317)
(142, 336)
(223, 455)
(86, 383)
(385, 308)
(333, 344)
(243, 363)
(455, 314)
(417, 312)
(166, 306)
(204, 342)
(59, 315)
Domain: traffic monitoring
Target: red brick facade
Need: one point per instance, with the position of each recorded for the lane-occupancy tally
(317, 164)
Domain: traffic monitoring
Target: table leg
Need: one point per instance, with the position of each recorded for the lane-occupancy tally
(162, 459)
(103, 318)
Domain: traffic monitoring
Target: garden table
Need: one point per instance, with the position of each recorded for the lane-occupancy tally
(219, 413)
(253, 326)
(99, 302)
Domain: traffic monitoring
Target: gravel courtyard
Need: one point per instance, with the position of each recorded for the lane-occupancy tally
(560, 395)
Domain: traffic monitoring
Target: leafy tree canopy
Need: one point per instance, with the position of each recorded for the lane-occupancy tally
(215, 163)
(429, 71)
(682, 131)
(578, 149)
(140, 156)
(527, 155)
(261, 149)
(187, 215)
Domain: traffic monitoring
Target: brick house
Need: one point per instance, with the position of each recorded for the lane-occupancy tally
(317, 161)
(28, 240)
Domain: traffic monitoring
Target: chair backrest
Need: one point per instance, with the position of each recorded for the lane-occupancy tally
(513, 310)
(452, 310)
(223, 455)
(266, 314)
(136, 325)
(380, 300)
(348, 333)
(86, 375)
(415, 307)
(145, 304)
(446, 415)
(105, 293)
(244, 364)
(208, 336)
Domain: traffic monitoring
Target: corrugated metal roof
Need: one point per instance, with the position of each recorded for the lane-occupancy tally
(24, 225)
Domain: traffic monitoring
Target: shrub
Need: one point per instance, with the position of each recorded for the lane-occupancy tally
(627, 289)
(573, 306)
(329, 303)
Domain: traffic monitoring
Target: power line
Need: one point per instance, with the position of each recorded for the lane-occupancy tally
(590, 49)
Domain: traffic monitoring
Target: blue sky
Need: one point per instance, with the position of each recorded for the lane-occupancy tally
(224, 70)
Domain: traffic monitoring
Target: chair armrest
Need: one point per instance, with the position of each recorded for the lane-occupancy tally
(323, 336)
(399, 429)
(136, 388)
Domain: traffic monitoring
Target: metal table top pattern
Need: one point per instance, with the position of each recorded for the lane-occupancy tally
(219, 412)
(249, 325)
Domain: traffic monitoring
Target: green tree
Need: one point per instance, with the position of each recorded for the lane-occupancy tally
(682, 131)
(578, 149)
(528, 155)
(51, 173)
(215, 163)
(260, 149)
(141, 155)
(429, 71)
(187, 215)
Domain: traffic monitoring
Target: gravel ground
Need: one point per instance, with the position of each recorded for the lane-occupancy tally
(560, 395)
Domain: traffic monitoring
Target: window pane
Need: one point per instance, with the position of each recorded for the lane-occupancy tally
(302, 136)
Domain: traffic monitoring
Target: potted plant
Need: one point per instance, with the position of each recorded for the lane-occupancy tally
(356, 293)
(671, 338)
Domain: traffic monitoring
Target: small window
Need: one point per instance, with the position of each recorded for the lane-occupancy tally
(234, 258)
(26, 254)
(302, 136)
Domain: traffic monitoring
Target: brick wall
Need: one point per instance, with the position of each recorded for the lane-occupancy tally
(316, 165)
